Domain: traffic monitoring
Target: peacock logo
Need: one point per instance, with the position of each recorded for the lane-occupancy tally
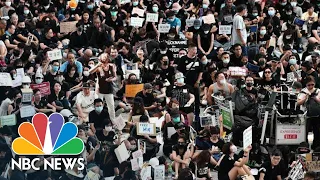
(47, 136)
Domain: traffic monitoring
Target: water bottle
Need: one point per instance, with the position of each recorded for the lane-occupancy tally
(169, 176)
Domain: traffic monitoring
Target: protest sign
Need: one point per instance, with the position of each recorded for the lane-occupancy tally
(297, 171)
(67, 27)
(156, 121)
(138, 11)
(55, 54)
(237, 71)
(159, 172)
(133, 89)
(121, 153)
(43, 87)
(9, 120)
(27, 94)
(119, 123)
(5, 79)
(136, 163)
(225, 29)
(146, 173)
(146, 129)
(247, 137)
(152, 17)
(176, 45)
(313, 165)
(189, 22)
(164, 28)
(125, 1)
(208, 19)
(142, 146)
(136, 21)
(27, 111)
(137, 154)
(207, 121)
(226, 117)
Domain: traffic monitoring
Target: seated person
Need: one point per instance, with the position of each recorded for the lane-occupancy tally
(98, 118)
(41, 104)
(148, 99)
(203, 161)
(173, 109)
(151, 141)
(271, 169)
(58, 98)
(49, 40)
(137, 110)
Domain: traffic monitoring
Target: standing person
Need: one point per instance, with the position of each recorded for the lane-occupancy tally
(192, 69)
(107, 74)
(239, 32)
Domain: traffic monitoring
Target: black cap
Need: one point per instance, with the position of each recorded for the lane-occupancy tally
(206, 27)
(86, 85)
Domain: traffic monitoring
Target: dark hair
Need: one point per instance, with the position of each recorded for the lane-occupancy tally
(214, 130)
(203, 159)
(144, 118)
(184, 138)
(275, 152)
(35, 91)
(98, 100)
(13, 93)
(69, 67)
(310, 174)
(162, 160)
(163, 45)
(123, 167)
(138, 106)
(217, 74)
(185, 174)
(192, 45)
(236, 45)
(226, 148)
(310, 79)
(241, 7)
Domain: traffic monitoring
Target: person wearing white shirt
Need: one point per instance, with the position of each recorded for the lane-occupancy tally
(239, 32)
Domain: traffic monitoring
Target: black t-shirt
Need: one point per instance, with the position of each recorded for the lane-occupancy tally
(202, 172)
(53, 97)
(42, 104)
(181, 93)
(148, 99)
(315, 26)
(110, 162)
(264, 82)
(226, 164)
(99, 120)
(236, 61)
(191, 68)
(270, 173)
(52, 42)
(221, 65)
(180, 151)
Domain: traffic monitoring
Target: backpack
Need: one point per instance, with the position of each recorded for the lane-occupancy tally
(313, 107)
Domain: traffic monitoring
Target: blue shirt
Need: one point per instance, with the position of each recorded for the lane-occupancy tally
(63, 67)
(176, 22)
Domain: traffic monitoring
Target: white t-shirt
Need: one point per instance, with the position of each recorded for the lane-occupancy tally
(86, 102)
(238, 23)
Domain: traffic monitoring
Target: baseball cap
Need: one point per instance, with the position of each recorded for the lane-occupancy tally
(206, 27)
(179, 75)
(147, 86)
(86, 85)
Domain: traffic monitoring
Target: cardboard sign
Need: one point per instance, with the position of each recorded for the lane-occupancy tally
(247, 137)
(133, 89)
(226, 118)
(159, 172)
(26, 95)
(189, 22)
(136, 21)
(125, 1)
(208, 19)
(225, 29)
(43, 87)
(237, 71)
(164, 28)
(136, 72)
(146, 129)
(5, 79)
(171, 131)
(137, 154)
(27, 111)
(67, 27)
(207, 121)
(152, 17)
(55, 54)
(136, 163)
(119, 123)
(297, 171)
(176, 45)
(138, 11)
(9, 120)
(136, 118)
(121, 153)
(290, 134)
(313, 165)
(146, 173)
(142, 146)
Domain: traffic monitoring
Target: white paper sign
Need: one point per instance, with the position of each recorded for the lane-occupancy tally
(290, 134)
(138, 11)
(9, 120)
(119, 122)
(208, 19)
(20, 72)
(5, 79)
(207, 121)
(136, 21)
(121, 153)
(146, 129)
(164, 28)
(55, 54)
(159, 172)
(137, 154)
(152, 17)
(247, 137)
(225, 29)
(142, 146)
(156, 121)
(171, 131)
(189, 22)
(109, 178)
(146, 173)
(136, 163)
(27, 111)
(125, 1)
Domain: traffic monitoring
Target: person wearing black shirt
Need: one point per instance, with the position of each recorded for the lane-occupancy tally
(100, 35)
(271, 170)
(236, 57)
(267, 80)
(225, 62)
(148, 99)
(8, 37)
(192, 68)
(163, 50)
(98, 118)
(78, 40)
(49, 40)
(41, 104)
(315, 34)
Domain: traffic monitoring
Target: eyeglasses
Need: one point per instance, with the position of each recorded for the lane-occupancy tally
(310, 84)
(267, 72)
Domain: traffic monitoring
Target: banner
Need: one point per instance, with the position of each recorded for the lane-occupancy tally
(226, 118)
(43, 87)
(66, 27)
(133, 89)
(290, 134)
(175, 46)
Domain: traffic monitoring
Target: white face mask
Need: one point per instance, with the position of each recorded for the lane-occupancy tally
(206, 32)
(108, 128)
(86, 73)
(46, 7)
(263, 32)
(38, 81)
(8, 3)
(233, 148)
(163, 52)
(64, 55)
(204, 62)
(180, 80)
(293, 4)
(223, 81)
(226, 61)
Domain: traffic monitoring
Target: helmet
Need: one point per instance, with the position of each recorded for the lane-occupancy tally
(26, 79)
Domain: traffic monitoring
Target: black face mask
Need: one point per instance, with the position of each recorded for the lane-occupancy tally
(165, 63)
(249, 84)
(181, 145)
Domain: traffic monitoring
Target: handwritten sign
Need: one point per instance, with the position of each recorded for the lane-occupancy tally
(55, 54)
(43, 87)
(137, 154)
(208, 19)
(313, 165)
(27, 94)
(164, 28)
(121, 153)
(226, 118)
(136, 72)
(225, 29)
(136, 21)
(136, 163)
(146, 173)
(146, 129)
(142, 146)
(133, 89)
(138, 11)
(9, 120)
(125, 1)
(27, 111)
(67, 27)
(207, 121)
(159, 172)
(5, 79)
(247, 137)
(297, 171)
(119, 122)
(152, 17)
(171, 131)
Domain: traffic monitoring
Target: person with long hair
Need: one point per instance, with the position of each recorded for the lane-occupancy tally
(137, 110)
(200, 165)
